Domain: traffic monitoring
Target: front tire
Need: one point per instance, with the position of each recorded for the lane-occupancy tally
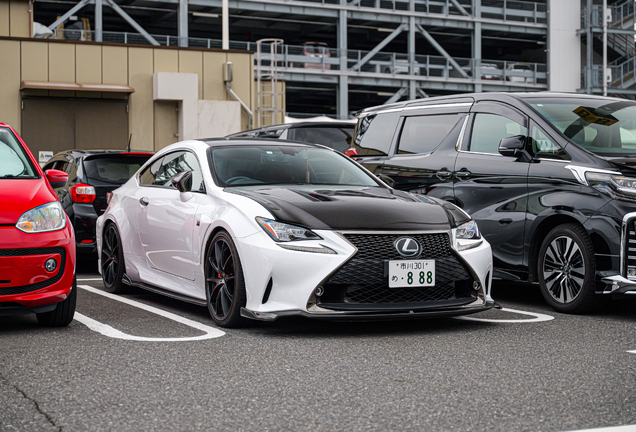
(113, 261)
(567, 270)
(224, 286)
(63, 313)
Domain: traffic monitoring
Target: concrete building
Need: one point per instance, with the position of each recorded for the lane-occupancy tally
(62, 94)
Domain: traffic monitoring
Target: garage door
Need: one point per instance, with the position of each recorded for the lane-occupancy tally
(51, 124)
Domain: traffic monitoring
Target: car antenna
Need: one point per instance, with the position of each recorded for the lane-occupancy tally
(128, 148)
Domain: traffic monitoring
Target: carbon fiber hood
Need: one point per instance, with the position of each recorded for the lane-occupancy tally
(350, 208)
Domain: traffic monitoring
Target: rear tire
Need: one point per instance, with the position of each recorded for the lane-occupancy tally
(224, 286)
(567, 270)
(63, 313)
(112, 262)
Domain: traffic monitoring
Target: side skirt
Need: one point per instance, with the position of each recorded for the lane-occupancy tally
(163, 292)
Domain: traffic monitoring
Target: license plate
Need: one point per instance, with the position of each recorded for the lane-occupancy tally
(411, 273)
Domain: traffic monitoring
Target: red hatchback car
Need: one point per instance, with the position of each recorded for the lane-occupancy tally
(37, 242)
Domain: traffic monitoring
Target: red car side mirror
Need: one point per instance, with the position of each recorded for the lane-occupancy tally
(351, 152)
(57, 178)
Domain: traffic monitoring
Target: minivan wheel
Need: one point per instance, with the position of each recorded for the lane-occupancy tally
(567, 270)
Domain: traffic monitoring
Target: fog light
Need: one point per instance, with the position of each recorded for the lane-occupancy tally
(50, 265)
(319, 291)
(476, 286)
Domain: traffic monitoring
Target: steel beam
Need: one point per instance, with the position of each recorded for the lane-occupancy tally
(411, 49)
(183, 23)
(397, 96)
(477, 45)
(99, 28)
(68, 14)
(422, 93)
(132, 22)
(378, 47)
(441, 50)
(225, 24)
(343, 81)
(460, 8)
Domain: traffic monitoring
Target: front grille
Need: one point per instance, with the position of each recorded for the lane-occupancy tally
(630, 249)
(364, 280)
(29, 252)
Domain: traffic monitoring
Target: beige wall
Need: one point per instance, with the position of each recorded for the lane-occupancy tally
(14, 18)
(93, 63)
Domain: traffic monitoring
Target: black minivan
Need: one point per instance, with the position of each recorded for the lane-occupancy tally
(550, 179)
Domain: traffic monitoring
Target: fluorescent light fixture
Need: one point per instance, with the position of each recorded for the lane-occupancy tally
(205, 14)
(387, 30)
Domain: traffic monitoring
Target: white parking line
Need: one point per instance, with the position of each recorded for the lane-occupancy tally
(537, 317)
(89, 279)
(106, 330)
(628, 428)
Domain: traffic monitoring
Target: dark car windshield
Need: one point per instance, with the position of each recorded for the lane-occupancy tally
(113, 169)
(603, 126)
(14, 162)
(271, 165)
(334, 137)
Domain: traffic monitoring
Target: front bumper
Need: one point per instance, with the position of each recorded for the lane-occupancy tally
(24, 282)
(316, 312)
(282, 282)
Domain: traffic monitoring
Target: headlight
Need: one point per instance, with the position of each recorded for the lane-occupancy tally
(280, 231)
(467, 236)
(47, 217)
(609, 183)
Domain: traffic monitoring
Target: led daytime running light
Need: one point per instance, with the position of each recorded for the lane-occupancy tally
(280, 231)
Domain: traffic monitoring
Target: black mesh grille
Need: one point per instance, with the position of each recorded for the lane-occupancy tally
(363, 278)
(29, 252)
(630, 246)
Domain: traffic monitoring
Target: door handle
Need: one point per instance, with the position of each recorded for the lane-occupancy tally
(143, 201)
(443, 174)
(463, 174)
(505, 221)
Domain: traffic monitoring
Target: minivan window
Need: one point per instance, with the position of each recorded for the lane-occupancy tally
(113, 169)
(598, 125)
(490, 129)
(544, 148)
(374, 135)
(14, 162)
(422, 134)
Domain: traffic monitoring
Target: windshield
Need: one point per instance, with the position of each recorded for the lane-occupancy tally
(273, 165)
(113, 169)
(14, 162)
(603, 126)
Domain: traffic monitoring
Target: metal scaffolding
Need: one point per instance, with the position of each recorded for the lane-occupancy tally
(403, 72)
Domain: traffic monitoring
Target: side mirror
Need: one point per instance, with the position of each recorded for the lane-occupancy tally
(57, 178)
(386, 179)
(514, 146)
(183, 181)
(351, 152)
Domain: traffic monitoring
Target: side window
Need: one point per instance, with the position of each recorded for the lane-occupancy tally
(149, 175)
(176, 163)
(490, 129)
(422, 134)
(543, 147)
(374, 135)
(335, 138)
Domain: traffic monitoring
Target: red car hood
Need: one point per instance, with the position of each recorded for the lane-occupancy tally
(18, 196)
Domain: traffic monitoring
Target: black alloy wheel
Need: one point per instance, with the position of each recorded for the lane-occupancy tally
(113, 261)
(225, 287)
(567, 270)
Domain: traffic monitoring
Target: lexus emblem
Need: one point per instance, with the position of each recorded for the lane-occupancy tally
(408, 247)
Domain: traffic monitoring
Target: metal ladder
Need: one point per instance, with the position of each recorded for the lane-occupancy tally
(269, 56)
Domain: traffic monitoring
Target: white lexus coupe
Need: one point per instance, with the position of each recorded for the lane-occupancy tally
(261, 229)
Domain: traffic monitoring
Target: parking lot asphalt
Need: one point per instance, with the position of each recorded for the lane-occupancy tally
(158, 364)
